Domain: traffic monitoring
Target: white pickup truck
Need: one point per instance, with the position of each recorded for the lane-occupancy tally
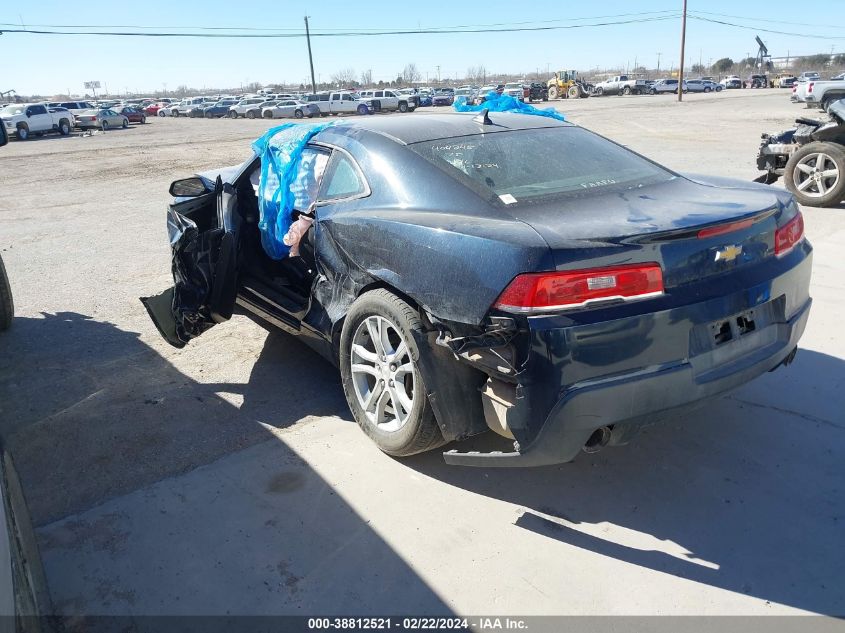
(621, 85)
(25, 119)
(390, 100)
(818, 93)
(341, 102)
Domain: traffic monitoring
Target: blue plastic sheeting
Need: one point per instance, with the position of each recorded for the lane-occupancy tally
(280, 189)
(505, 103)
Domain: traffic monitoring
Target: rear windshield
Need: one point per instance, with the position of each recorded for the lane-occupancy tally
(539, 165)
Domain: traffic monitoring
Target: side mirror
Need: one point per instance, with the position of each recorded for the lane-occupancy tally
(28, 114)
(188, 188)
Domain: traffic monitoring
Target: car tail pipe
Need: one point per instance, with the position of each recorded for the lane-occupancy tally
(598, 440)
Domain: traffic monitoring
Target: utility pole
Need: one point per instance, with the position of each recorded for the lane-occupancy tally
(438, 74)
(310, 58)
(658, 64)
(683, 44)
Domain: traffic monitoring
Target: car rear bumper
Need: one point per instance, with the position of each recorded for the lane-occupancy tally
(654, 386)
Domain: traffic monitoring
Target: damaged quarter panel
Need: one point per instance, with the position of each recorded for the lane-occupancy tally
(437, 242)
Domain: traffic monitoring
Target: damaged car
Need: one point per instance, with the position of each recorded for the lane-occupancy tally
(500, 271)
(810, 157)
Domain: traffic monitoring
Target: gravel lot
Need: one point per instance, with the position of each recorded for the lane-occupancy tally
(229, 477)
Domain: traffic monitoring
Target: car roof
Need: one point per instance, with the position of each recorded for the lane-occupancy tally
(429, 127)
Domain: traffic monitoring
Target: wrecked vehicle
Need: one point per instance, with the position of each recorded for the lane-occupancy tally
(463, 276)
(810, 157)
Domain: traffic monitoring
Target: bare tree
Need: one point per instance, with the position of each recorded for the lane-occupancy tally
(477, 74)
(410, 74)
(367, 78)
(344, 77)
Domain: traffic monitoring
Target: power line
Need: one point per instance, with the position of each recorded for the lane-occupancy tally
(301, 34)
(760, 29)
(667, 13)
(756, 19)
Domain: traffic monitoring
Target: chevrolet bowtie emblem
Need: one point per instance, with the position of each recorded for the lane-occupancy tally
(728, 253)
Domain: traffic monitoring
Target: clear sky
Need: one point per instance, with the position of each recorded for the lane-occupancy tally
(48, 64)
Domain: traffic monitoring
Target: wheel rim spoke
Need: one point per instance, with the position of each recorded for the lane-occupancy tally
(365, 369)
(365, 354)
(830, 173)
(400, 351)
(369, 404)
(804, 184)
(805, 168)
(820, 185)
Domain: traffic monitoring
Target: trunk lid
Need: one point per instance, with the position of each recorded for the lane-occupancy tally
(662, 223)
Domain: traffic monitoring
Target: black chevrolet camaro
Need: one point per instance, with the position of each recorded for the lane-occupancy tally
(502, 271)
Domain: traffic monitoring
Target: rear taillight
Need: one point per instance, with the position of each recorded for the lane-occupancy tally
(542, 292)
(810, 87)
(790, 234)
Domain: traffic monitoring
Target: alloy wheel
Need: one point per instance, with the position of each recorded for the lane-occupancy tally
(816, 174)
(383, 373)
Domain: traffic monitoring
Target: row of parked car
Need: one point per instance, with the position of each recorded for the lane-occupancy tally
(292, 105)
(24, 120)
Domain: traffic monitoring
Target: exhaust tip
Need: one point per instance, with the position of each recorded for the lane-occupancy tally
(598, 440)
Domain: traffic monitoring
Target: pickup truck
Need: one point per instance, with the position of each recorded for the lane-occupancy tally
(341, 102)
(391, 100)
(620, 85)
(25, 119)
(819, 93)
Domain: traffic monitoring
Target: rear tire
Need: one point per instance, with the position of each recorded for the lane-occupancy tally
(125, 124)
(161, 113)
(297, 114)
(626, 90)
(104, 125)
(574, 92)
(7, 306)
(380, 324)
(804, 177)
(250, 114)
(599, 91)
(143, 120)
(64, 127)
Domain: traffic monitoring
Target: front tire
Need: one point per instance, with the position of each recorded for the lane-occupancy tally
(815, 173)
(250, 114)
(233, 114)
(379, 366)
(403, 107)
(23, 132)
(125, 124)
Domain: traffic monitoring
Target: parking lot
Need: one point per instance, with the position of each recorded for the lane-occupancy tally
(230, 478)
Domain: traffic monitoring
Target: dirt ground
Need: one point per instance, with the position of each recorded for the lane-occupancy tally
(229, 477)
